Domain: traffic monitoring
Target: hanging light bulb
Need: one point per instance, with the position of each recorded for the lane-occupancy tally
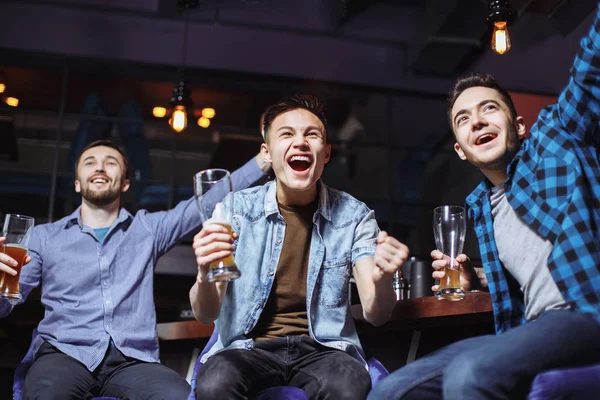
(181, 101)
(500, 38)
(159, 112)
(178, 120)
(208, 112)
(12, 101)
(500, 16)
(2, 87)
(203, 122)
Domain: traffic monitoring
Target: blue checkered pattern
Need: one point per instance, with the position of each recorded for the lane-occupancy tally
(554, 185)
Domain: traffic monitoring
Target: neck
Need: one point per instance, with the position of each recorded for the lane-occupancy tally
(99, 216)
(289, 197)
(497, 177)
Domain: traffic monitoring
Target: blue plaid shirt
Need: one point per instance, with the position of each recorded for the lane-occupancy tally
(554, 185)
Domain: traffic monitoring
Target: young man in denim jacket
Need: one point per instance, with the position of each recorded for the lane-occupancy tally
(286, 320)
(537, 218)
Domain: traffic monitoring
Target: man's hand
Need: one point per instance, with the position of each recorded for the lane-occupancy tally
(212, 243)
(390, 254)
(469, 278)
(7, 262)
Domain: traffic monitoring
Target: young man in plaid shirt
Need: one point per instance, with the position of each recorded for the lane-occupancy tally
(537, 218)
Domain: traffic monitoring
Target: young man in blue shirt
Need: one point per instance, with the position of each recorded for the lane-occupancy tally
(287, 320)
(96, 266)
(537, 218)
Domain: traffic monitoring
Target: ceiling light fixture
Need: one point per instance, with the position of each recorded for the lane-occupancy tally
(499, 17)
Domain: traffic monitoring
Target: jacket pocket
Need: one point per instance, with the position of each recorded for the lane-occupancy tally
(333, 282)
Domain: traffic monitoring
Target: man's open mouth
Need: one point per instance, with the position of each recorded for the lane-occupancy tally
(99, 179)
(485, 138)
(300, 163)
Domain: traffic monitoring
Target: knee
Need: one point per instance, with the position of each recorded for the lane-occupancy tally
(218, 378)
(469, 373)
(355, 387)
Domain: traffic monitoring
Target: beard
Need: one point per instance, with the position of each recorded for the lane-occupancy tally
(102, 198)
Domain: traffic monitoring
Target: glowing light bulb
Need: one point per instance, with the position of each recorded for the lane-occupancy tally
(159, 112)
(203, 122)
(12, 101)
(2, 87)
(500, 38)
(208, 112)
(178, 120)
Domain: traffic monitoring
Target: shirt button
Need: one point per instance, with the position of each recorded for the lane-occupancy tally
(271, 273)
(108, 327)
(105, 283)
(278, 241)
(107, 302)
(249, 346)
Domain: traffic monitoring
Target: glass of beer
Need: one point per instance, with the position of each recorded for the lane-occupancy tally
(449, 228)
(17, 230)
(210, 188)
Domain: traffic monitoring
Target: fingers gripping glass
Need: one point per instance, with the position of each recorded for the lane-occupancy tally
(17, 230)
(210, 188)
(449, 228)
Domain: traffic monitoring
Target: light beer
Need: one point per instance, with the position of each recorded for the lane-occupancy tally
(225, 268)
(9, 285)
(450, 288)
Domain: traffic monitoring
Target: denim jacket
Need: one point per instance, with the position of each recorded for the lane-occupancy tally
(344, 230)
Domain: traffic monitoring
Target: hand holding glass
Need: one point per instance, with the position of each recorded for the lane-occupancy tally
(17, 230)
(210, 187)
(449, 228)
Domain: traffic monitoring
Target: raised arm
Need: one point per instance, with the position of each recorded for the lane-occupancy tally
(579, 104)
(373, 271)
(171, 226)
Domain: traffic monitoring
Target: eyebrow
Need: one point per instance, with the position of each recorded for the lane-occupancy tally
(308, 128)
(479, 105)
(92, 157)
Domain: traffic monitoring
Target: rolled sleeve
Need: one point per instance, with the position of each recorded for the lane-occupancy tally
(365, 237)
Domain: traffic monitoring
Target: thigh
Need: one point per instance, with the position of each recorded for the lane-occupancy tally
(331, 374)
(238, 373)
(142, 380)
(422, 379)
(55, 375)
(507, 363)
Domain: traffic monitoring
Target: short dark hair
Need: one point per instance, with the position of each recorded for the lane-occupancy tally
(304, 101)
(105, 143)
(475, 80)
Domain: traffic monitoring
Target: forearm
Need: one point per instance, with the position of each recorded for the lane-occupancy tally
(206, 300)
(481, 283)
(379, 301)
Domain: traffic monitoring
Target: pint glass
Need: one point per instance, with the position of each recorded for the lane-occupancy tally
(17, 230)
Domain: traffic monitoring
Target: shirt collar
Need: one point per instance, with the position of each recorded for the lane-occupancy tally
(75, 218)
(324, 207)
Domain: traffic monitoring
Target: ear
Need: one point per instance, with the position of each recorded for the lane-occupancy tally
(459, 151)
(264, 149)
(522, 131)
(125, 185)
(328, 154)
(77, 186)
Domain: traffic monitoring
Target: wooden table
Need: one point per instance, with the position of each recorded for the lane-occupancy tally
(419, 326)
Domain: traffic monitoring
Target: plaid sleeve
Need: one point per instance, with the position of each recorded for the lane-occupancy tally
(579, 104)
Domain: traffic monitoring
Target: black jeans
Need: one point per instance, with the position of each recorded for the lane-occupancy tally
(322, 372)
(55, 375)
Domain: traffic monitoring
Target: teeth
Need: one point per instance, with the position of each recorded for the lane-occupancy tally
(300, 158)
(99, 180)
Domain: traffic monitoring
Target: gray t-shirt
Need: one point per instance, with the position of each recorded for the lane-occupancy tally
(525, 255)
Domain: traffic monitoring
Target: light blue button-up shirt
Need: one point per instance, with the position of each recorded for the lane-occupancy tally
(344, 230)
(93, 291)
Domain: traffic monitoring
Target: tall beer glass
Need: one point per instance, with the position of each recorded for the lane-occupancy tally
(17, 230)
(210, 188)
(449, 228)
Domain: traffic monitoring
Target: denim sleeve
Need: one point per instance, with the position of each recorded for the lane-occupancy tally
(169, 227)
(365, 237)
(578, 107)
(30, 274)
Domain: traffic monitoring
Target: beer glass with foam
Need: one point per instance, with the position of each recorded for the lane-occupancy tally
(210, 188)
(17, 230)
(449, 228)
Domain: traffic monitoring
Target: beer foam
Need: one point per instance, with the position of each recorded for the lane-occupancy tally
(218, 221)
(18, 246)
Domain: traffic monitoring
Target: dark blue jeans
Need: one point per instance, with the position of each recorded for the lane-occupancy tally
(299, 361)
(497, 366)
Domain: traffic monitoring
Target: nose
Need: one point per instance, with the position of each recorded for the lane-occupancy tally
(299, 140)
(477, 122)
